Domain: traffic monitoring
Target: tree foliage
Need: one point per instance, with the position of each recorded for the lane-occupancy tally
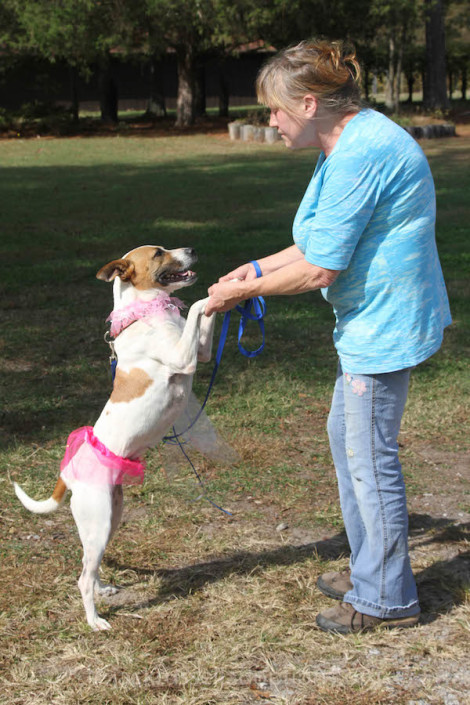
(389, 34)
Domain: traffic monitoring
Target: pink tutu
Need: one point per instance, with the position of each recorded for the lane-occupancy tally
(88, 460)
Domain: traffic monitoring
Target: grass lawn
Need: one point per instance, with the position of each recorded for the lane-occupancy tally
(214, 609)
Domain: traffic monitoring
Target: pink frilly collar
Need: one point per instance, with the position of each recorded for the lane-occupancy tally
(121, 318)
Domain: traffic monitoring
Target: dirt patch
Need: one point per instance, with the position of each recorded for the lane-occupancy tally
(89, 127)
(447, 483)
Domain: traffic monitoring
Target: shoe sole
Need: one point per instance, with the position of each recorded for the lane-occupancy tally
(329, 591)
(327, 625)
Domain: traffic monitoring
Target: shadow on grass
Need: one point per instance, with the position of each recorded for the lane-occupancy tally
(441, 586)
(179, 583)
(444, 584)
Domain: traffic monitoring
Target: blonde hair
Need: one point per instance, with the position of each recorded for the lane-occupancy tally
(327, 70)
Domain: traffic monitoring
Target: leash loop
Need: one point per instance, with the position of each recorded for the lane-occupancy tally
(253, 310)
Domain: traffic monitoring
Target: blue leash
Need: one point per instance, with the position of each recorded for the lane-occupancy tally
(198, 477)
(252, 310)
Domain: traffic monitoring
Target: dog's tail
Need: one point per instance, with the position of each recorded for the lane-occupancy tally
(47, 505)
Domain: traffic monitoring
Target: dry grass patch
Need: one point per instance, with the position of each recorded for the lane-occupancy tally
(221, 610)
(207, 624)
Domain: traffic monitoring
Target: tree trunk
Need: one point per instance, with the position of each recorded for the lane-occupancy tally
(108, 91)
(399, 69)
(464, 83)
(156, 106)
(224, 95)
(366, 82)
(392, 88)
(185, 101)
(375, 86)
(75, 103)
(200, 90)
(435, 90)
(410, 80)
(390, 79)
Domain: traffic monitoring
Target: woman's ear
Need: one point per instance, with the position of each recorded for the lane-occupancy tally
(310, 105)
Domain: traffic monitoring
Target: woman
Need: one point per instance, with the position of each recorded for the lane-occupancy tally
(364, 234)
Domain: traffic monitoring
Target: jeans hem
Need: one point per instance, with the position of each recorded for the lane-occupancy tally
(374, 610)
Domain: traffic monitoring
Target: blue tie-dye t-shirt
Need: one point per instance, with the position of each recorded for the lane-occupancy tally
(369, 211)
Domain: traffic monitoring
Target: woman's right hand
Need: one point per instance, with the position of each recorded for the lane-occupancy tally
(246, 272)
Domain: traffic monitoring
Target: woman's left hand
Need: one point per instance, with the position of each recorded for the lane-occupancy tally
(223, 297)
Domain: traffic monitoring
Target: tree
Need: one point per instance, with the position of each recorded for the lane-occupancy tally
(79, 32)
(194, 29)
(435, 87)
(458, 45)
(53, 31)
(284, 22)
(413, 66)
(459, 63)
(394, 24)
(364, 23)
(8, 33)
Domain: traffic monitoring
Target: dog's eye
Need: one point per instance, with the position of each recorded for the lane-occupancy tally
(158, 253)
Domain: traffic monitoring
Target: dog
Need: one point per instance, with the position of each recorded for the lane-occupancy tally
(157, 352)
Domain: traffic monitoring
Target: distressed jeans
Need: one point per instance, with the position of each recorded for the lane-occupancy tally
(363, 426)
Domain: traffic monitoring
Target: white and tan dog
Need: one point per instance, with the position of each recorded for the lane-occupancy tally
(157, 357)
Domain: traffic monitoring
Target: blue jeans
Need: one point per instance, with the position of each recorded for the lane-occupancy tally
(363, 426)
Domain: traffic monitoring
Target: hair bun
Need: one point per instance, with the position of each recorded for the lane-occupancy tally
(350, 61)
(340, 55)
(328, 70)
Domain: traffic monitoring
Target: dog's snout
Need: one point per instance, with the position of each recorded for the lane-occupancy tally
(191, 252)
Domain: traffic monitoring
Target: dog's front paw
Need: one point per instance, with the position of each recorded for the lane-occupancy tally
(200, 305)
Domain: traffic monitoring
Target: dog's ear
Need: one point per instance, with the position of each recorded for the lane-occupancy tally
(117, 268)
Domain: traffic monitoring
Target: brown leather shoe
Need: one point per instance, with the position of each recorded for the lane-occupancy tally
(345, 619)
(335, 585)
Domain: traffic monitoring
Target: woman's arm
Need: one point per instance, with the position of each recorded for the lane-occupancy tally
(268, 264)
(296, 277)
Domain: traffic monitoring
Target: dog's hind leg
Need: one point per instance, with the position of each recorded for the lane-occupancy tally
(116, 508)
(92, 509)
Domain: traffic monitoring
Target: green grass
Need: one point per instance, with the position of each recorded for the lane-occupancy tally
(226, 603)
(71, 205)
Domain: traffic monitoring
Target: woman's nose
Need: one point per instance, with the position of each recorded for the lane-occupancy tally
(272, 119)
